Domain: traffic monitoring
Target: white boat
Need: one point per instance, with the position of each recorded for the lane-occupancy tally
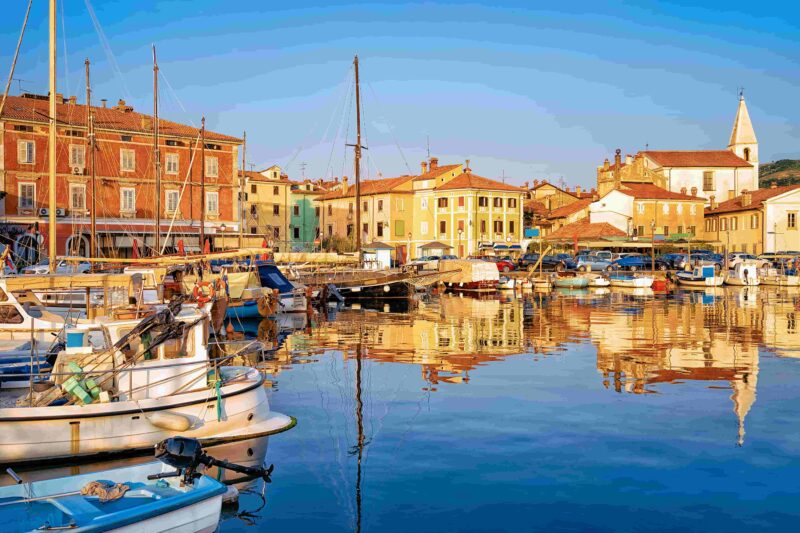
(525, 284)
(630, 281)
(133, 395)
(744, 273)
(775, 278)
(597, 280)
(542, 284)
(506, 283)
(701, 276)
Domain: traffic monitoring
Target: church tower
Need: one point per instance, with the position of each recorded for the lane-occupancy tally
(743, 138)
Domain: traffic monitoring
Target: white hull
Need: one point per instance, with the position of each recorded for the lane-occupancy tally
(635, 283)
(201, 517)
(738, 282)
(780, 281)
(42, 433)
(715, 281)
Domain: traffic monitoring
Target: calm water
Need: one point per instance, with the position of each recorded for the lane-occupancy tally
(568, 412)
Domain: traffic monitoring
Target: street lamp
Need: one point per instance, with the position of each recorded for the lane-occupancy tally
(653, 245)
(408, 254)
(460, 250)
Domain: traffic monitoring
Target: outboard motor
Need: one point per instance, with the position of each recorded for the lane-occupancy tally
(186, 455)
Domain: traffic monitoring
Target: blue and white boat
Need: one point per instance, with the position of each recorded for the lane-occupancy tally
(630, 281)
(700, 276)
(291, 297)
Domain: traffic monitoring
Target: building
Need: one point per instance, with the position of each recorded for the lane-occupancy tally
(125, 178)
(565, 215)
(304, 224)
(267, 208)
(721, 174)
(761, 221)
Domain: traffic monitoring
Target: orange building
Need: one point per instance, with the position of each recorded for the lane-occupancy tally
(125, 177)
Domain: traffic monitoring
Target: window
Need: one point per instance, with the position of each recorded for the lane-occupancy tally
(172, 201)
(399, 204)
(734, 223)
(754, 221)
(77, 155)
(460, 201)
(483, 201)
(442, 227)
(791, 220)
(692, 209)
(747, 154)
(498, 226)
(296, 233)
(460, 225)
(276, 190)
(212, 203)
(680, 229)
(679, 210)
(316, 211)
(10, 315)
(365, 228)
(692, 231)
(330, 210)
(253, 230)
(275, 176)
(296, 210)
(27, 195)
(172, 164)
(640, 207)
(483, 226)
(708, 224)
(380, 205)
(723, 224)
(511, 226)
(399, 228)
(379, 230)
(708, 180)
(364, 207)
(276, 209)
(330, 230)
(442, 202)
(423, 228)
(350, 208)
(666, 230)
(639, 230)
(665, 208)
(212, 167)
(423, 203)
(77, 197)
(127, 160)
(127, 199)
(497, 202)
(253, 188)
(276, 232)
(253, 210)
(512, 203)
(26, 152)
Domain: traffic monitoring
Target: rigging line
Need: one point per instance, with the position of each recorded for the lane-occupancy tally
(347, 128)
(16, 56)
(391, 130)
(180, 196)
(107, 48)
(174, 95)
(64, 40)
(341, 121)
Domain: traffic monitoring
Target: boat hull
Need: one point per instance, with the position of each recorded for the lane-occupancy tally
(632, 283)
(571, 283)
(780, 281)
(716, 281)
(33, 434)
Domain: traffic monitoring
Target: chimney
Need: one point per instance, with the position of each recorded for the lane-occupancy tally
(713, 200)
(747, 198)
(527, 185)
(466, 167)
(617, 158)
(105, 102)
(628, 159)
(683, 190)
(578, 190)
(122, 106)
(345, 187)
(73, 100)
(423, 167)
(59, 98)
(606, 166)
(694, 191)
(434, 162)
(535, 183)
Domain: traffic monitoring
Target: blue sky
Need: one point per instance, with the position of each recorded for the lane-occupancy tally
(524, 89)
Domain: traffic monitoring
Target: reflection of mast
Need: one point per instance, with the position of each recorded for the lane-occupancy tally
(360, 426)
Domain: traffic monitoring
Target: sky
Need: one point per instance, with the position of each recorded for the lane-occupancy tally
(525, 90)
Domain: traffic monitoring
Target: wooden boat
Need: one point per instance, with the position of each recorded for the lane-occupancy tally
(744, 273)
(470, 275)
(775, 278)
(506, 284)
(542, 284)
(161, 387)
(701, 276)
(630, 281)
(571, 282)
(292, 296)
(597, 280)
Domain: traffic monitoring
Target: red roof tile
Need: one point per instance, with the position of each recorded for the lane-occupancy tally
(534, 206)
(369, 187)
(570, 209)
(105, 118)
(436, 172)
(648, 191)
(757, 198)
(695, 158)
(469, 180)
(583, 229)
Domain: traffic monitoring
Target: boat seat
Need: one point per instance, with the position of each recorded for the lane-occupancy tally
(77, 506)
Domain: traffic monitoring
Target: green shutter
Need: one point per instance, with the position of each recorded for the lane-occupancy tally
(399, 228)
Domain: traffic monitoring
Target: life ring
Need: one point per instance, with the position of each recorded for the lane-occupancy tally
(200, 296)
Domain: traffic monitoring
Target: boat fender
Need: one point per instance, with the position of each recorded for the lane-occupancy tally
(231, 496)
(386, 288)
(170, 421)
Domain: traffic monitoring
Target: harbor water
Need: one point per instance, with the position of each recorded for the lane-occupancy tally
(568, 411)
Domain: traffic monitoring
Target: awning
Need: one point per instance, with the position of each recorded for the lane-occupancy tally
(435, 245)
(515, 247)
(500, 247)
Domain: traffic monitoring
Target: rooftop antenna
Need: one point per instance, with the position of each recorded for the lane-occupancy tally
(741, 93)
(504, 175)
(303, 169)
(428, 145)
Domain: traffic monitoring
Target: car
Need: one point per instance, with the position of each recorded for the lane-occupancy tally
(631, 262)
(549, 262)
(604, 254)
(62, 267)
(591, 262)
(504, 265)
(737, 257)
(426, 262)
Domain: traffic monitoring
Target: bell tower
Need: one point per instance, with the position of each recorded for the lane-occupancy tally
(743, 138)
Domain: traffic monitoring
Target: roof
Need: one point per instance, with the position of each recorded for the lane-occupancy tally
(570, 209)
(695, 158)
(435, 245)
(468, 180)
(757, 198)
(377, 245)
(583, 229)
(105, 118)
(648, 191)
(258, 176)
(368, 187)
(436, 172)
(743, 132)
(534, 206)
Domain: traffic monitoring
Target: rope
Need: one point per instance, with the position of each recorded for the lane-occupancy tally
(16, 55)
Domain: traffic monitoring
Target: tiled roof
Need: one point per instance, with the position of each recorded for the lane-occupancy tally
(469, 180)
(696, 158)
(583, 229)
(648, 191)
(570, 209)
(105, 118)
(436, 172)
(534, 206)
(369, 187)
(757, 198)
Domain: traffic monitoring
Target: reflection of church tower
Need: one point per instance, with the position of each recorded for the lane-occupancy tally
(743, 138)
(744, 396)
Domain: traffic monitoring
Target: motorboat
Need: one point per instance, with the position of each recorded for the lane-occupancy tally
(777, 278)
(154, 380)
(597, 280)
(292, 297)
(700, 276)
(630, 281)
(158, 496)
(506, 283)
(571, 282)
(743, 273)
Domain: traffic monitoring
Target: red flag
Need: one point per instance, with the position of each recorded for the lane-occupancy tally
(135, 249)
(264, 243)
(181, 247)
(207, 247)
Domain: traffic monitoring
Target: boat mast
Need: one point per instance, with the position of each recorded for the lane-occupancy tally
(156, 155)
(90, 146)
(241, 191)
(358, 164)
(51, 146)
(360, 429)
(203, 184)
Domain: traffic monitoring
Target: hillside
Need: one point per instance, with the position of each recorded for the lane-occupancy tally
(782, 172)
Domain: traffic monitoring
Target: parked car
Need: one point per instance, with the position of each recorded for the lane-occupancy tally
(549, 262)
(604, 254)
(737, 257)
(631, 262)
(591, 262)
(62, 267)
(426, 262)
(504, 265)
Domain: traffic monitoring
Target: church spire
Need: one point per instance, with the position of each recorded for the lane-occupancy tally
(743, 132)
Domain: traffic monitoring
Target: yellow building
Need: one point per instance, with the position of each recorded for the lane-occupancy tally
(267, 216)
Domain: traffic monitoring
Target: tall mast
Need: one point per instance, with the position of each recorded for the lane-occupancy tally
(358, 164)
(156, 155)
(51, 145)
(203, 184)
(360, 431)
(241, 191)
(90, 140)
